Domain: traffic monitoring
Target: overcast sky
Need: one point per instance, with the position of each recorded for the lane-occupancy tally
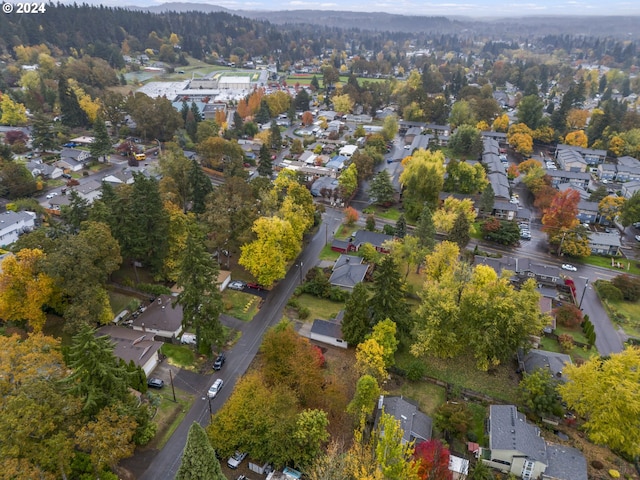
(473, 8)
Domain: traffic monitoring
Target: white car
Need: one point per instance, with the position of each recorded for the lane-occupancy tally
(571, 268)
(638, 238)
(215, 388)
(407, 147)
(51, 195)
(236, 460)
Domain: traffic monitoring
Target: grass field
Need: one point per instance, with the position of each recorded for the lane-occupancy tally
(605, 262)
(626, 314)
(179, 355)
(551, 345)
(169, 415)
(319, 307)
(327, 254)
(240, 305)
(428, 395)
(120, 302)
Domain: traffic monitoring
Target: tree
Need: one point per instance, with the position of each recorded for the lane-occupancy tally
(16, 181)
(538, 392)
(422, 181)
(314, 83)
(628, 285)
(76, 212)
(302, 100)
(342, 103)
(401, 226)
(72, 115)
(630, 211)
(101, 145)
(466, 141)
(610, 207)
(265, 167)
(309, 436)
(568, 315)
(200, 187)
(561, 215)
(384, 333)
(350, 216)
(13, 113)
(355, 324)
(200, 297)
(445, 218)
(607, 393)
(348, 181)
(461, 114)
(275, 137)
(389, 127)
(501, 123)
(433, 460)
(388, 300)
(199, 460)
(97, 377)
(365, 163)
(381, 189)
(530, 111)
(460, 231)
(25, 289)
(108, 438)
(392, 454)
(454, 419)
(462, 177)
(481, 471)
(425, 230)
(365, 398)
(42, 133)
(370, 359)
(576, 138)
(487, 199)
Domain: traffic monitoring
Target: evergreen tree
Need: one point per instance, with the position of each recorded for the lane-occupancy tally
(487, 199)
(200, 187)
(355, 324)
(401, 226)
(97, 375)
(43, 134)
(199, 460)
(197, 116)
(381, 189)
(265, 168)
(184, 110)
(370, 223)
(238, 124)
(460, 231)
(70, 110)
(425, 230)
(101, 145)
(315, 84)
(388, 295)
(275, 137)
(302, 100)
(264, 114)
(191, 126)
(75, 213)
(200, 297)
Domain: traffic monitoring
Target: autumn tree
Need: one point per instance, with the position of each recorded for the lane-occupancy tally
(25, 288)
(365, 398)
(199, 460)
(610, 207)
(577, 138)
(462, 177)
(454, 419)
(342, 103)
(501, 123)
(433, 460)
(445, 217)
(520, 138)
(422, 181)
(370, 359)
(561, 215)
(606, 391)
(13, 113)
(393, 455)
(200, 298)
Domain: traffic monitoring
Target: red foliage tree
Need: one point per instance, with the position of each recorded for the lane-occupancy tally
(15, 136)
(491, 225)
(562, 213)
(434, 461)
(350, 215)
(568, 315)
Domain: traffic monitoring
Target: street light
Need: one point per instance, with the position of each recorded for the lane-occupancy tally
(586, 284)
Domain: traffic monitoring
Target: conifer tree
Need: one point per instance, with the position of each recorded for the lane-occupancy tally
(200, 187)
(355, 324)
(101, 145)
(265, 168)
(425, 230)
(199, 460)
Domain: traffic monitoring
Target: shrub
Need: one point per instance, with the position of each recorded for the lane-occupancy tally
(388, 229)
(472, 436)
(628, 285)
(416, 370)
(568, 315)
(303, 313)
(597, 464)
(566, 342)
(153, 288)
(608, 291)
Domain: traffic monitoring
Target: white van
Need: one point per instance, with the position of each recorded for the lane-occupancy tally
(188, 339)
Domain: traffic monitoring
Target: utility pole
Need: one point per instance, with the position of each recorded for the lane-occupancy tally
(586, 284)
(172, 387)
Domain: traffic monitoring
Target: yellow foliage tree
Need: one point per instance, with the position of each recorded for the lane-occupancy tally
(577, 118)
(577, 138)
(370, 359)
(445, 217)
(24, 288)
(482, 126)
(610, 206)
(13, 113)
(544, 134)
(342, 103)
(617, 145)
(501, 124)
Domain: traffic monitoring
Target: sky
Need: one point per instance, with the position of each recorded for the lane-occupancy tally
(471, 8)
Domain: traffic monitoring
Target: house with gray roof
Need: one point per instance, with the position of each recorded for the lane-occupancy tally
(504, 210)
(605, 243)
(416, 426)
(607, 171)
(578, 179)
(546, 274)
(498, 264)
(38, 168)
(588, 211)
(14, 224)
(374, 238)
(590, 156)
(421, 141)
(553, 362)
(89, 190)
(132, 345)
(328, 331)
(348, 271)
(162, 318)
(629, 189)
(571, 161)
(516, 447)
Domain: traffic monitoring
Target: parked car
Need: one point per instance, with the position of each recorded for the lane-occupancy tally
(237, 285)
(236, 459)
(188, 339)
(67, 176)
(638, 238)
(255, 286)
(217, 365)
(155, 383)
(571, 268)
(215, 388)
(51, 195)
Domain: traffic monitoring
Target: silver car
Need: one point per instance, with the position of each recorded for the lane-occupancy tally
(215, 388)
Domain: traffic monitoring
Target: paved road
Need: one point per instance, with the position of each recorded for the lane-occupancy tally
(166, 463)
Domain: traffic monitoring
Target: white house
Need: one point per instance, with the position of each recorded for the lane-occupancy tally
(348, 150)
(14, 224)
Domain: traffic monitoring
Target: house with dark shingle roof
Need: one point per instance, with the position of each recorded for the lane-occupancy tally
(328, 331)
(605, 243)
(516, 447)
(348, 271)
(162, 318)
(553, 362)
(374, 238)
(133, 345)
(416, 425)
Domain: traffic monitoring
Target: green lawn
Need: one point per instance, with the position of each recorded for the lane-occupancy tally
(120, 302)
(605, 262)
(240, 305)
(169, 415)
(428, 395)
(551, 345)
(461, 371)
(179, 355)
(382, 212)
(328, 254)
(479, 417)
(626, 314)
(319, 307)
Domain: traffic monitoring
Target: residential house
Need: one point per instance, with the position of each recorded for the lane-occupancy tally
(571, 161)
(504, 210)
(307, 157)
(516, 447)
(587, 212)
(545, 274)
(421, 141)
(38, 168)
(374, 238)
(89, 191)
(412, 132)
(584, 195)
(324, 185)
(56, 203)
(328, 331)
(628, 169)
(416, 425)
(348, 150)
(14, 224)
(577, 179)
(498, 264)
(605, 243)
(591, 157)
(630, 188)
(133, 345)
(607, 171)
(348, 271)
(535, 359)
(121, 177)
(76, 154)
(499, 137)
(70, 164)
(337, 163)
(161, 318)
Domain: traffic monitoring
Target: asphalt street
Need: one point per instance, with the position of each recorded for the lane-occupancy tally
(165, 463)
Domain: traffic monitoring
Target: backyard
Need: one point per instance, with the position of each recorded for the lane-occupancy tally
(240, 305)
